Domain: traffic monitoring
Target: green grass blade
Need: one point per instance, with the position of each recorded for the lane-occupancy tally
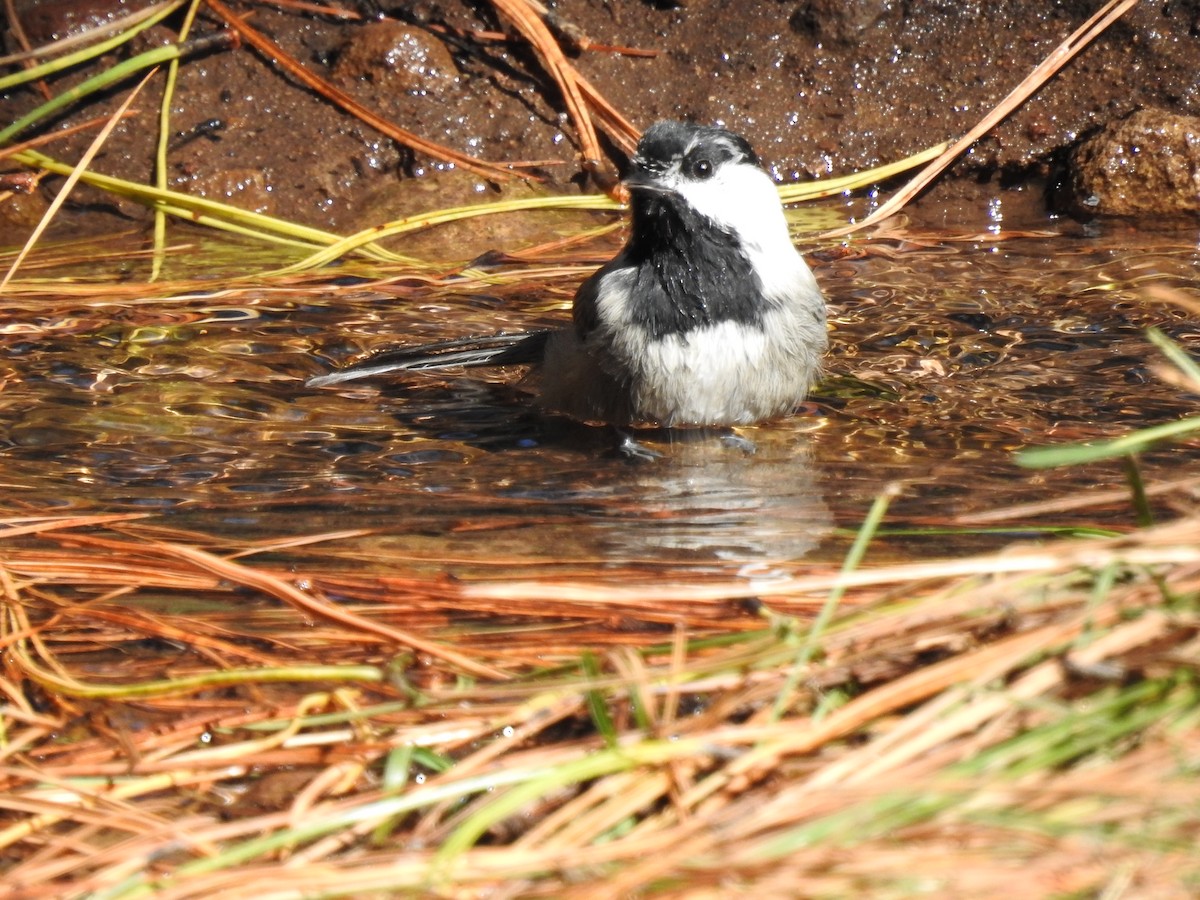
(587, 768)
(814, 190)
(1135, 442)
(209, 680)
(853, 560)
(65, 62)
(1137, 487)
(203, 210)
(597, 706)
(160, 150)
(96, 83)
(1176, 354)
(356, 242)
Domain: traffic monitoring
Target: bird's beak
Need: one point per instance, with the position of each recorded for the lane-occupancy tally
(641, 180)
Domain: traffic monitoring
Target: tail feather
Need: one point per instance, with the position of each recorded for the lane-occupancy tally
(507, 349)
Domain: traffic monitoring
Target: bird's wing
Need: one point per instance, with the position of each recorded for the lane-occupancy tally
(585, 311)
(520, 348)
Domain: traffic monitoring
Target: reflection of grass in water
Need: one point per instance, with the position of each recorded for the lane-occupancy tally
(1128, 446)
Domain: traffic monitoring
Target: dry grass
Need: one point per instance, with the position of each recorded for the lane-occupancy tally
(189, 718)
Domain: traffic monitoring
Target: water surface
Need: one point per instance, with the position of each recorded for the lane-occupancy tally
(946, 357)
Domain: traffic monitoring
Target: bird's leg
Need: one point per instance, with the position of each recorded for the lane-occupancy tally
(735, 441)
(630, 448)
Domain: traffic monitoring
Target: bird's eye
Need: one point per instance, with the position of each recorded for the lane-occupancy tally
(701, 169)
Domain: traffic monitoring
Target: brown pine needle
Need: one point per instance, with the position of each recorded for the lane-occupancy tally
(320, 9)
(531, 26)
(275, 54)
(18, 32)
(289, 593)
(43, 139)
(1059, 57)
(622, 132)
(10, 528)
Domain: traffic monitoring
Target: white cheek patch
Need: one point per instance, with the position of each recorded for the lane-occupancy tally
(739, 198)
(743, 200)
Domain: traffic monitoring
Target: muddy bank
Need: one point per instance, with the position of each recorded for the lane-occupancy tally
(822, 88)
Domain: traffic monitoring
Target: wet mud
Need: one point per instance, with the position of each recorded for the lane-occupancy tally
(821, 88)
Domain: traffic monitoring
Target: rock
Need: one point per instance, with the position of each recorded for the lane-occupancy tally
(1146, 164)
(839, 21)
(396, 56)
(241, 186)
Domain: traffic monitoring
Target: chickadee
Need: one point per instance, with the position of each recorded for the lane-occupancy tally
(707, 317)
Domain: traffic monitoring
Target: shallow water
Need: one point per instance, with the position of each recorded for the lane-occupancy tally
(946, 357)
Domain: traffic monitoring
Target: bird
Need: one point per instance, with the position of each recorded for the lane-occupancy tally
(707, 317)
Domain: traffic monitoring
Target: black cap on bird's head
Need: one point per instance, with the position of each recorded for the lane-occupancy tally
(685, 178)
(687, 151)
